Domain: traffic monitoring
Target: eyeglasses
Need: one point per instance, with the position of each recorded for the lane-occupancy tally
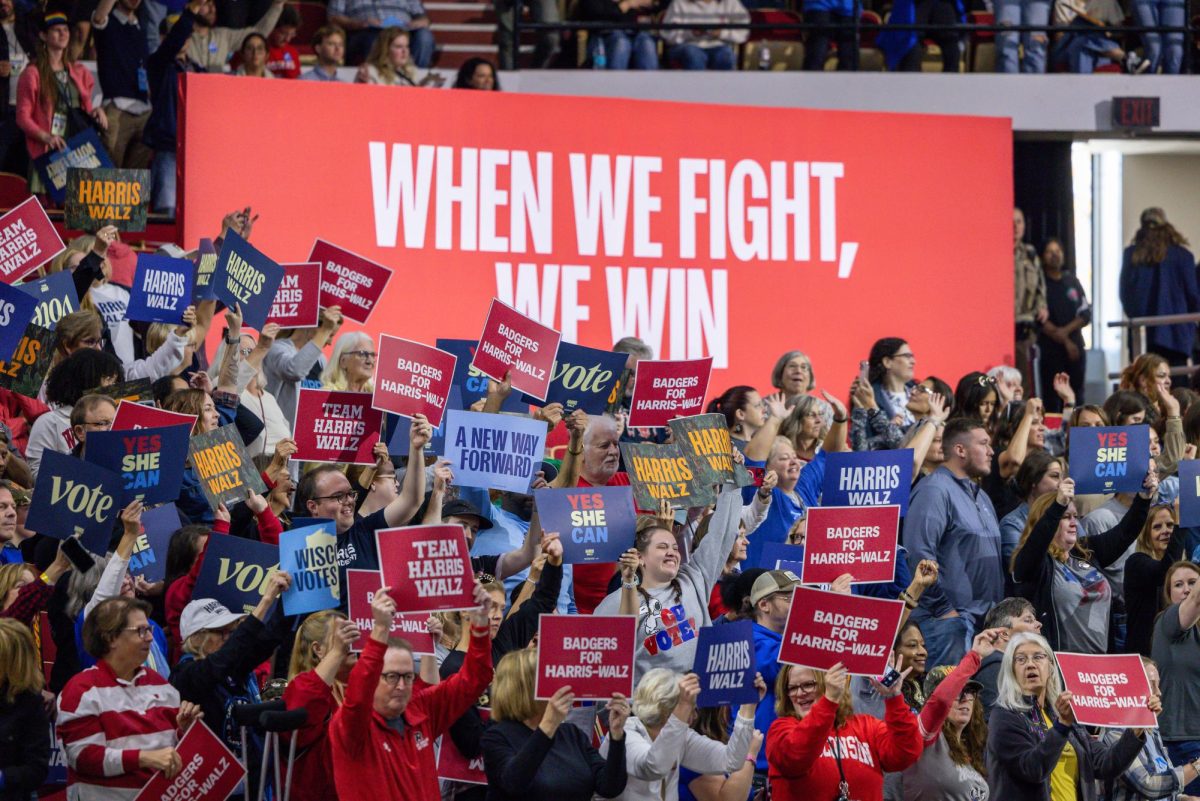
(366, 355)
(143, 632)
(345, 498)
(803, 688)
(921, 389)
(1023, 659)
(91, 342)
(245, 351)
(909, 355)
(102, 424)
(393, 678)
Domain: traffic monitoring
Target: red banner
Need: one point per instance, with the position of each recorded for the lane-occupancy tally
(27, 240)
(824, 628)
(859, 540)
(664, 390)
(210, 770)
(700, 243)
(349, 280)
(132, 415)
(1107, 690)
(295, 303)
(593, 655)
(427, 567)
(522, 347)
(361, 586)
(455, 767)
(333, 426)
(411, 378)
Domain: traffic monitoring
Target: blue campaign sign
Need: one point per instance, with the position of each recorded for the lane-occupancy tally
(149, 559)
(72, 498)
(206, 265)
(1189, 492)
(397, 428)
(471, 383)
(1109, 459)
(84, 150)
(494, 451)
(162, 289)
(583, 378)
(309, 554)
(868, 478)
(150, 460)
(725, 664)
(594, 524)
(781, 556)
(247, 278)
(16, 313)
(235, 571)
(56, 298)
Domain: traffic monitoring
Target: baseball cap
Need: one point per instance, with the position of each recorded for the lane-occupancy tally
(1153, 216)
(935, 677)
(203, 614)
(464, 508)
(771, 582)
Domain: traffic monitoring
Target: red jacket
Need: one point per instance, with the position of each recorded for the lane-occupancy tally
(312, 778)
(800, 753)
(374, 762)
(18, 413)
(34, 116)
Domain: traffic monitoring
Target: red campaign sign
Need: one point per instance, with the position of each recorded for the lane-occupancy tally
(335, 426)
(664, 390)
(411, 378)
(295, 304)
(132, 416)
(27, 240)
(859, 540)
(824, 628)
(427, 567)
(210, 771)
(519, 345)
(348, 280)
(1107, 690)
(360, 587)
(593, 655)
(453, 766)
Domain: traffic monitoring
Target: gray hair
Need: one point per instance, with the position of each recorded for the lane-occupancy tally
(1008, 689)
(777, 370)
(635, 346)
(656, 696)
(82, 586)
(793, 424)
(1003, 372)
(595, 422)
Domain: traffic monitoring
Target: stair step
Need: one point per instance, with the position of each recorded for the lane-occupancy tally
(459, 16)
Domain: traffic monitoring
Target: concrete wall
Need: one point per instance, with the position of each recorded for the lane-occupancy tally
(1168, 182)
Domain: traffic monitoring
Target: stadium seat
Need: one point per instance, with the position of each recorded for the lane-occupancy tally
(787, 55)
(870, 58)
(13, 190)
(777, 16)
(981, 47)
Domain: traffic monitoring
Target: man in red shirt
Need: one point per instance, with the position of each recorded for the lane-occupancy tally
(600, 459)
(382, 736)
(283, 59)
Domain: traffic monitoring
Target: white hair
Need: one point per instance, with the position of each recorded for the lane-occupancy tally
(334, 377)
(1003, 372)
(1008, 689)
(595, 423)
(656, 696)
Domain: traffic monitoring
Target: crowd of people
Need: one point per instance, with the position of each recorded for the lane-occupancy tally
(1002, 565)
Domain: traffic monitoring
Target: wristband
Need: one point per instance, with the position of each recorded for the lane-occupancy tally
(574, 453)
(839, 422)
(45, 578)
(752, 760)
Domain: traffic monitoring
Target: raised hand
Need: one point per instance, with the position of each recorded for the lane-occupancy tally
(557, 709)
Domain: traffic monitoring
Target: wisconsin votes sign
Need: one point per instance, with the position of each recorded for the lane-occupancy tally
(594, 524)
(309, 554)
(868, 478)
(1108, 459)
(494, 451)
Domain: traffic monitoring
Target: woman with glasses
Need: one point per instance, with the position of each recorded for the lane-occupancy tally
(1035, 748)
(808, 745)
(111, 752)
(352, 366)
(890, 368)
(1059, 571)
(792, 377)
(953, 730)
(1159, 545)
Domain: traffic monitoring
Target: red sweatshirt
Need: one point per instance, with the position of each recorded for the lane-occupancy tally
(373, 761)
(800, 753)
(937, 706)
(313, 773)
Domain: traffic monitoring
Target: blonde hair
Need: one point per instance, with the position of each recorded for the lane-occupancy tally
(10, 574)
(1144, 544)
(334, 377)
(380, 58)
(74, 327)
(20, 664)
(513, 686)
(1037, 510)
(656, 696)
(783, 704)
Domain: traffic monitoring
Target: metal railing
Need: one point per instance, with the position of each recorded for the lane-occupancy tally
(1138, 326)
(858, 25)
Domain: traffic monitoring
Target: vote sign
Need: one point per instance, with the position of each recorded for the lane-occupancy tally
(335, 426)
(859, 540)
(427, 567)
(519, 346)
(210, 770)
(664, 390)
(74, 498)
(412, 378)
(361, 586)
(1108, 690)
(16, 313)
(162, 289)
(583, 378)
(592, 654)
(235, 571)
(295, 302)
(56, 298)
(1108, 459)
(594, 524)
(726, 664)
(868, 478)
(824, 628)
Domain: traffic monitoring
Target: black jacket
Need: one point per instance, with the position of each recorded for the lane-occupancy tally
(24, 744)
(1033, 566)
(1021, 754)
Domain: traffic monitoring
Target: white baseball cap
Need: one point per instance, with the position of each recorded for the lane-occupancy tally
(203, 614)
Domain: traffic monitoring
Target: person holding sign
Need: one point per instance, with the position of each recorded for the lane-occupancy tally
(818, 748)
(1159, 545)
(1035, 748)
(798, 486)
(297, 355)
(528, 752)
(1059, 572)
(753, 422)
(382, 735)
(660, 743)
(671, 602)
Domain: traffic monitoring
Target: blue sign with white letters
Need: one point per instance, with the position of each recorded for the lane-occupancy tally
(56, 298)
(868, 478)
(726, 664)
(16, 313)
(162, 289)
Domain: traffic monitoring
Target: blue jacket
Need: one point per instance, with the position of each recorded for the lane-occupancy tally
(766, 655)
(1176, 293)
(163, 71)
(844, 8)
(783, 510)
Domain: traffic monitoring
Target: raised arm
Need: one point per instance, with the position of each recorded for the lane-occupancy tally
(412, 492)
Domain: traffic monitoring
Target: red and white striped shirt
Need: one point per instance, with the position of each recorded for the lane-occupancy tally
(104, 721)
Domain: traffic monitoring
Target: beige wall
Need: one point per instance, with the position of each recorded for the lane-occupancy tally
(1168, 182)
